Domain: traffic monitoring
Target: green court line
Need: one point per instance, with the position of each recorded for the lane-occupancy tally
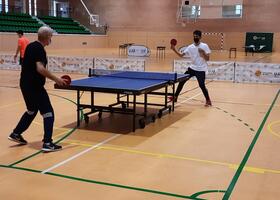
(249, 151)
(63, 98)
(104, 183)
(12, 166)
(69, 133)
(207, 191)
(34, 154)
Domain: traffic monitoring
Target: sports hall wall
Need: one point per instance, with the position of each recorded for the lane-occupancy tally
(160, 15)
(153, 23)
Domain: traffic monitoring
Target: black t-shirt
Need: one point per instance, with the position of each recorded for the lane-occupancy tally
(30, 78)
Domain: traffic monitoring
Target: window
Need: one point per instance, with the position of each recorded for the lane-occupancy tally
(192, 11)
(35, 7)
(232, 11)
(54, 8)
(238, 9)
(30, 7)
(1, 3)
(6, 6)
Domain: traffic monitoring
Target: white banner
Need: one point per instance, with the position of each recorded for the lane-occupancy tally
(257, 72)
(124, 64)
(216, 70)
(238, 72)
(220, 71)
(7, 62)
(80, 64)
(70, 64)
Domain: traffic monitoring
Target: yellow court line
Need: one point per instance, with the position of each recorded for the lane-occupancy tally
(63, 133)
(159, 155)
(269, 128)
(65, 130)
(56, 128)
(76, 142)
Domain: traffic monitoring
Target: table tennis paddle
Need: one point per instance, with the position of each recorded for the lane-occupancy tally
(173, 42)
(67, 79)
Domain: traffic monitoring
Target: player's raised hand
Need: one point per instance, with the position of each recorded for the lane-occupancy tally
(172, 47)
(201, 51)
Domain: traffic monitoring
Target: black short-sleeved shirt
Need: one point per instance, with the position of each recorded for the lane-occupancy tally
(30, 79)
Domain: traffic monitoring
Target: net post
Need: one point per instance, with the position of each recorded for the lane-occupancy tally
(234, 71)
(89, 72)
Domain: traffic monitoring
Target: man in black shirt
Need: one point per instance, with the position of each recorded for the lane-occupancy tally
(32, 81)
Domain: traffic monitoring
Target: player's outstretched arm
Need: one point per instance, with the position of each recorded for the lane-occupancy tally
(46, 73)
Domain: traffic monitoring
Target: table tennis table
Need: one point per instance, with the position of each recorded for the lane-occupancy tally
(126, 84)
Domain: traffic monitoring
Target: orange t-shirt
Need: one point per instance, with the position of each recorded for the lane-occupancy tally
(22, 43)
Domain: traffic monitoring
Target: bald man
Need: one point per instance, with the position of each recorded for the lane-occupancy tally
(32, 81)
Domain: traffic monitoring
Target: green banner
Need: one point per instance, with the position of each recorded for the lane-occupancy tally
(259, 42)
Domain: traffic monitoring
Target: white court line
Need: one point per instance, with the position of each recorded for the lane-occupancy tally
(101, 143)
(79, 154)
(181, 102)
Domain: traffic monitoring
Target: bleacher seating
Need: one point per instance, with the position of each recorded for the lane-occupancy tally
(64, 25)
(11, 22)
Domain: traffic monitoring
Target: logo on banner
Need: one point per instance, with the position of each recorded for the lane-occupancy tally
(258, 73)
(212, 72)
(111, 66)
(138, 50)
(277, 74)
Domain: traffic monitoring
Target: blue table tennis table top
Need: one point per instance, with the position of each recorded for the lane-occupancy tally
(127, 81)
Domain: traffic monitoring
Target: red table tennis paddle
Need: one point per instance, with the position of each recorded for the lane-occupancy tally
(67, 79)
(173, 42)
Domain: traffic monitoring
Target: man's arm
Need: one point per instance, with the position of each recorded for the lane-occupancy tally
(178, 53)
(46, 73)
(17, 51)
(205, 56)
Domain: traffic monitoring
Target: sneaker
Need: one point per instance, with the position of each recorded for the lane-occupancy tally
(48, 147)
(208, 103)
(171, 98)
(17, 138)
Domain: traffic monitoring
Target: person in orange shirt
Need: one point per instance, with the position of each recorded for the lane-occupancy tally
(22, 44)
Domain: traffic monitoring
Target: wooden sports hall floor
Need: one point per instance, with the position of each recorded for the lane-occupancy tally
(230, 149)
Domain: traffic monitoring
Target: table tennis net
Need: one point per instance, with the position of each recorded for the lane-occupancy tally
(134, 74)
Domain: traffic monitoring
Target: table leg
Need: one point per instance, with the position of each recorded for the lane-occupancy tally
(92, 101)
(78, 108)
(134, 112)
